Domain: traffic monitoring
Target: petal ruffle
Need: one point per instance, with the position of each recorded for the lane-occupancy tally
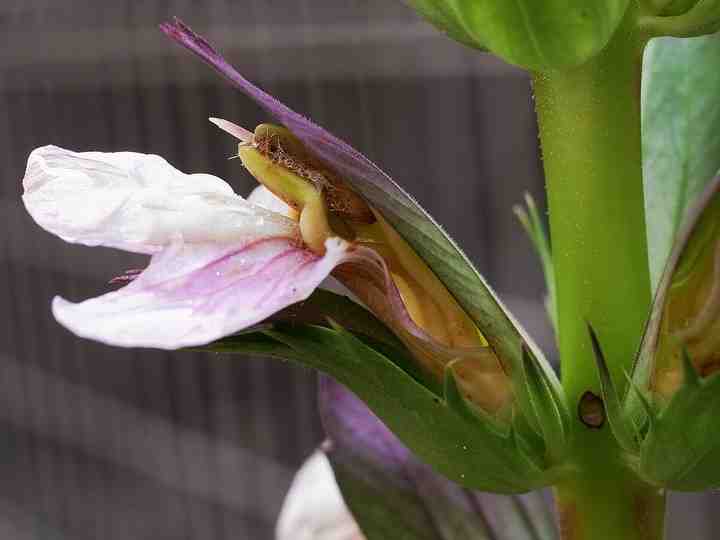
(137, 202)
(194, 294)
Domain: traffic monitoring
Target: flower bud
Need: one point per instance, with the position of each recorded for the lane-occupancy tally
(668, 418)
(539, 35)
(691, 311)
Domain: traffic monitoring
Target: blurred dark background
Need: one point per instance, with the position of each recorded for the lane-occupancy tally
(105, 443)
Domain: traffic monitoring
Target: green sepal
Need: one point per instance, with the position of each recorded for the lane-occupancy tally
(643, 414)
(542, 406)
(466, 451)
(463, 447)
(539, 36)
(622, 426)
(690, 375)
(457, 402)
(682, 448)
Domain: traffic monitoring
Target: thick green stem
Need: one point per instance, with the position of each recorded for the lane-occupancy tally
(589, 120)
(610, 507)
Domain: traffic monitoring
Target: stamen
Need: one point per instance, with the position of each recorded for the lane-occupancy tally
(281, 148)
(239, 132)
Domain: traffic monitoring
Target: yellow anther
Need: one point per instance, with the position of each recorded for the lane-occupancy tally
(295, 191)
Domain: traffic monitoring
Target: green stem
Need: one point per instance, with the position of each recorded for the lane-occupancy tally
(610, 507)
(589, 120)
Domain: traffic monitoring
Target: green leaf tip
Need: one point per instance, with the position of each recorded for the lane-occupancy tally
(460, 404)
(621, 424)
(532, 223)
(543, 407)
(649, 414)
(691, 377)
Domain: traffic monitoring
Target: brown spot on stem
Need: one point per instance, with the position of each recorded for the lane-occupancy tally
(591, 410)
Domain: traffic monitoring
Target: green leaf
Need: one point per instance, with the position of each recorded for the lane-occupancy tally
(536, 35)
(466, 451)
(682, 449)
(681, 139)
(462, 446)
(330, 310)
(447, 21)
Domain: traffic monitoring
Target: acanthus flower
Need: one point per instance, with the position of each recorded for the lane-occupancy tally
(456, 378)
(221, 263)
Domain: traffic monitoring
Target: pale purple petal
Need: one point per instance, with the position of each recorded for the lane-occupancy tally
(192, 294)
(364, 175)
(426, 505)
(137, 202)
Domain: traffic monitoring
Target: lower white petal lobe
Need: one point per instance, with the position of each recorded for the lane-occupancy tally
(194, 294)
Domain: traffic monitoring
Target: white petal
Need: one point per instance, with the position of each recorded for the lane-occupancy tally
(314, 508)
(262, 196)
(137, 202)
(195, 294)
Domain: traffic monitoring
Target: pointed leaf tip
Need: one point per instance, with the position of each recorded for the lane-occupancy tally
(649, 413)
(460, 404)
(622, 427)
(543, 406)
(691, 375)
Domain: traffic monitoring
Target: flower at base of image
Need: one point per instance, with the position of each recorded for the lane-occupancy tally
(314, 508)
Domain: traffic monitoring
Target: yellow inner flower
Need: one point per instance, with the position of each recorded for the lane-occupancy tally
(691, 314)
(327, 207)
